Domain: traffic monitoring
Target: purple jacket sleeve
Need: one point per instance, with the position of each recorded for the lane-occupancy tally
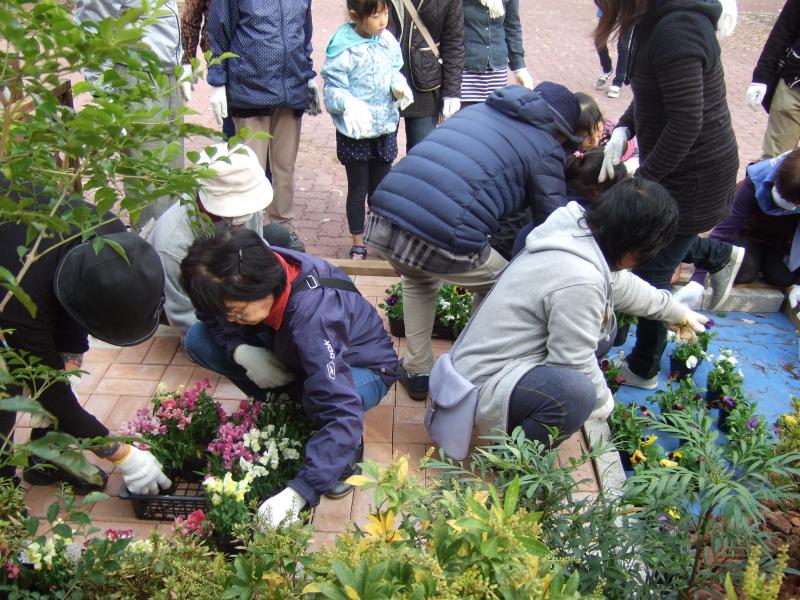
(330, 400)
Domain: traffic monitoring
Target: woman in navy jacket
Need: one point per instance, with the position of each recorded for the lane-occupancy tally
(270, 315)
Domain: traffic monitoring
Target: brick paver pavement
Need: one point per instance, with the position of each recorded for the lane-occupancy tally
(558, 47)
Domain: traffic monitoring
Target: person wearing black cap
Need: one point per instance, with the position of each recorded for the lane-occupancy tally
(434, 215)
(78, 292)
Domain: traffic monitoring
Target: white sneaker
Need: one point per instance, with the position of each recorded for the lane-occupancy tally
(614, 91)
(633, 380)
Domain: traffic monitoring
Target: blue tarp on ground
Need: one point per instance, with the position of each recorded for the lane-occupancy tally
(766, 346)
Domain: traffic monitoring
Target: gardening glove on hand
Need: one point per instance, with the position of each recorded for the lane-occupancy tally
(142, 473)
(219, 104)
(314, 103)
(688, 328)
(450, 106)
(283, 507)
(186, 83)
(262, 366)
(402, 93)
(613, 152)
(728, 18)
(602, 412)
(357, 117)
(755, 94)
(691, 295)
(793, 295)
(523, 77)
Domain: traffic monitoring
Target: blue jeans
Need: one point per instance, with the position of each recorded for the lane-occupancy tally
(549, 396)
(203, 349)
(417, 128)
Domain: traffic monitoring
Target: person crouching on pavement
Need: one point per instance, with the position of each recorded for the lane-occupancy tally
(270, 315)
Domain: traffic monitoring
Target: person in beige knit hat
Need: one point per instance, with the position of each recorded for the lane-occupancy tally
(237, 193)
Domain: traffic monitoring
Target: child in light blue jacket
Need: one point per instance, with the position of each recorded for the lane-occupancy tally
(364, 93)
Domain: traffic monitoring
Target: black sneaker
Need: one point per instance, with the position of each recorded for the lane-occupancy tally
(295, 243)
(39, 472)
(341, 489)
(416, 385)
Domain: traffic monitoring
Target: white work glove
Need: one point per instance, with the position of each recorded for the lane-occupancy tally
(402, 93)
(688, 327)
(357, 117)
(450, 106)
(142, 473)
(186, 83)
(283, 507)
(262, 366)
(219, 104)
(755, 94)
(691, 295)
(523, 77)
(728, 18)
(314, 103)
(793, 295)
(613, 152)
(602, 412)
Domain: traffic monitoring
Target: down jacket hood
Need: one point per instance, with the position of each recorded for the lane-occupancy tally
(524, 105)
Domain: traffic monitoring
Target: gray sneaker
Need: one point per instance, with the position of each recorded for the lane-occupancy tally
(602, 80)
(721, 282)
(633, 380)
(295, 243)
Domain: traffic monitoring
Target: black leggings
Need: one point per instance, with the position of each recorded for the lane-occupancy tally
(766, 260)
(362, 179)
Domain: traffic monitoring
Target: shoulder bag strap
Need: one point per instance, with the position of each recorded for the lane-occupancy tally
(311, 282)
(422, 29)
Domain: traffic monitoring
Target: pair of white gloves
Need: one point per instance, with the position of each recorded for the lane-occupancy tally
(687, 329)
(218, 104)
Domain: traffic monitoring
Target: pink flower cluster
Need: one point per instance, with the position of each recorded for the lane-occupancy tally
(178, 410)
(12, 569)
(195, 523)
(112, 535)
(229, 444)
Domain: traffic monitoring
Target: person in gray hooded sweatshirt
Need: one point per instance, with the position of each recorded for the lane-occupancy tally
(531, 348)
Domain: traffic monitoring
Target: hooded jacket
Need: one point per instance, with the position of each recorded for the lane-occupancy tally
(551, 306)
(679, 113)
(364, 69)
(273, 43)
(487, 162)
(324, 332)
(781, 54)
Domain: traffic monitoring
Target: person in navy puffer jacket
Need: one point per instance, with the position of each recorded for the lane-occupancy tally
(433, 216)
(269, 316)
(267, 86)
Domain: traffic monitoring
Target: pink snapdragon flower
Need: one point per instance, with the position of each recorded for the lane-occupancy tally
(12, 569)
(112, 535)
(195, 523)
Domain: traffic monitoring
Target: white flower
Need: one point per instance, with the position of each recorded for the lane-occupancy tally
(739, 373)
(140, 547)
(691, 362)
(670, 335)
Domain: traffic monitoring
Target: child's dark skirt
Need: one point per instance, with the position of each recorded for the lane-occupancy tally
(383, 148)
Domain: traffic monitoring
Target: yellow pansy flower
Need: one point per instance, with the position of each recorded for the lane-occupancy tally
(637, 457)
(665, 462)
(648, 441)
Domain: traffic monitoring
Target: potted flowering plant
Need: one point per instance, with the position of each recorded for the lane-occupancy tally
(227, 509)
(686, 356)
(177, 428)
(627, 431)
(624, 322)
(724, 379)
(612, 373)
(262, 442)
(453, 310)
(740, 420)
(679, 395)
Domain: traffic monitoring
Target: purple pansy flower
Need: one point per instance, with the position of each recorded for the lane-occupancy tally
(752, 422)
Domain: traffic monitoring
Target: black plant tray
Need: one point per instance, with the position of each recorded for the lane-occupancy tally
(183, 498)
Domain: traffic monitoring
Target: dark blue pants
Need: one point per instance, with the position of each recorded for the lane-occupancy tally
(622, 58)
(417, 128)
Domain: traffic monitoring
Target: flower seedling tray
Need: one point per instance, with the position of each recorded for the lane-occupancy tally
(183, 498)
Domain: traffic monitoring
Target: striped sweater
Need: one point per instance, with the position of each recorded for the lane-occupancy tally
(679, 113)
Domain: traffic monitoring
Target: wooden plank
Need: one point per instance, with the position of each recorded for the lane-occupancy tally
(377, 268)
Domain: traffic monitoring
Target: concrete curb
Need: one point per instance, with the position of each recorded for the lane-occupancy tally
(610, 474)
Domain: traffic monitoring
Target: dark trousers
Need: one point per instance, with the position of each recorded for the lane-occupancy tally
(764, 260)
(555, 397)
(651, 336)
(622, 58)
(59, 400)
(417, 128)
(362, 179)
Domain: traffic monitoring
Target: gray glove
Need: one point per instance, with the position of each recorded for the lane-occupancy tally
(314, 105)
(262, 366)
